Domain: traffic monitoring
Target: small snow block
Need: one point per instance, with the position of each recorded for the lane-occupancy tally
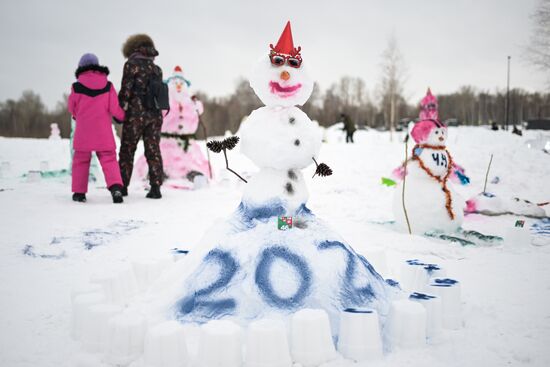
(388, 182)
(284, 223)
(267, 344)
(220, 344)
(359, 337)
(310, 335)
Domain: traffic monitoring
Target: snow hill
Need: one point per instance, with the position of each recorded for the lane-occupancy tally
(49, 243)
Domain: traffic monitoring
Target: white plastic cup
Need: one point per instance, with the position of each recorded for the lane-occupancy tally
(449, 292)
(165, 346)
(359, 336)
(81, 303)
(406, 324)
(434, 315)
(311, 339)
(267, 344)
(34, 176)
(220, 344)
(96, 326)
(126, 338)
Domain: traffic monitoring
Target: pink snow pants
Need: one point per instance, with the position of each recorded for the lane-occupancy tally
(81, 169)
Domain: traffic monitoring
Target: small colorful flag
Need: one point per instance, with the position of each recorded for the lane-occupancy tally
(520, 223)
(388, 181)
(284, 223)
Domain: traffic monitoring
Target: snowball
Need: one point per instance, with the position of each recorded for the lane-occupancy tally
(280, 138)
(264, 75)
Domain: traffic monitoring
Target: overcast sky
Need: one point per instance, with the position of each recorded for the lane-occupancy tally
(445, 43)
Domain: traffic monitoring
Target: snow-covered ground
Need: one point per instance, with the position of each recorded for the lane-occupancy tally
(49, 243)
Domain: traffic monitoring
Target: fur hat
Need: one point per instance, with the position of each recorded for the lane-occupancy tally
(139, 42)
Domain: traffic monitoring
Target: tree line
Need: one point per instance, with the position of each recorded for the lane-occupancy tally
(29, 117)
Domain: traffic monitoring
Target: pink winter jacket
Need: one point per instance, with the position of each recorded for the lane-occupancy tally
(92, 103)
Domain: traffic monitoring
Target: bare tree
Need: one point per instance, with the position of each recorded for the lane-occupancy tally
(392, 82)
(538, 51)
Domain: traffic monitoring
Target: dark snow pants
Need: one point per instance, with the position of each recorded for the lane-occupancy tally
(145, 125)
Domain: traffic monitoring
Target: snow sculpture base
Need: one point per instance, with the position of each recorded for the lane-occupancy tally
(248, 269)
(177, 162)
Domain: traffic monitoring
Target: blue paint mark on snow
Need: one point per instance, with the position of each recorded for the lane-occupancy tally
(421, 296)
(264, 283)
(444, 282)
(357, 310)
(352, 294)
(199, 303)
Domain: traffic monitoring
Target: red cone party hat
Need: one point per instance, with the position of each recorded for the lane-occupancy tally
(285, 45)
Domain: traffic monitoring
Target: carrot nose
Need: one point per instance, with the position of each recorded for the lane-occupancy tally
(285, 75)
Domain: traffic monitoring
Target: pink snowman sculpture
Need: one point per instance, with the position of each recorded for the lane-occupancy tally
(182, 156)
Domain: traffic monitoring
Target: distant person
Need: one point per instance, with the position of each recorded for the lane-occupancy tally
(517, 131)
(143, 120)
(494, 126)
(92, 103)
(349, 127)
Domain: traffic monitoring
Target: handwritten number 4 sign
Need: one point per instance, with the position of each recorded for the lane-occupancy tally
(440, 159)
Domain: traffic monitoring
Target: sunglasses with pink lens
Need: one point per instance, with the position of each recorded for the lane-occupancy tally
(279, 60)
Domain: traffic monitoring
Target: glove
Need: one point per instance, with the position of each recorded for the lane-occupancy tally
(464, 180)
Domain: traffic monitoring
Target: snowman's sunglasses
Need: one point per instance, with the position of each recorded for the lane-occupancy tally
(279, 60)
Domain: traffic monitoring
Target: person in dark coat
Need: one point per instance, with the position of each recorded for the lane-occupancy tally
(349, 127)
(141, 122)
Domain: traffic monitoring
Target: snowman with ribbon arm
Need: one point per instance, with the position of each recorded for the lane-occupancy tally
(431, 203)
(273, 256)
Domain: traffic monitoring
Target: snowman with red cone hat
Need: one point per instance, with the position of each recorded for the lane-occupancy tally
(249, 266)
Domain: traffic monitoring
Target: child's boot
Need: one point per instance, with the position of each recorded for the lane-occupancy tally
(81, 198)
(154, 192)
(116, 192)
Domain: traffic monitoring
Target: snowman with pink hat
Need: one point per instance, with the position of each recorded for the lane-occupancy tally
(182, 156)
(431, 204)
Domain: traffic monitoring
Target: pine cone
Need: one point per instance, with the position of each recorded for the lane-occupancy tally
(215, 146)
(230, 142)
(323, 170)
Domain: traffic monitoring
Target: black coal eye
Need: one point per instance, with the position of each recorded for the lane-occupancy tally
(437, 132)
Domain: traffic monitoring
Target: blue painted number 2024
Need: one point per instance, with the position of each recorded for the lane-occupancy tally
(202, 304)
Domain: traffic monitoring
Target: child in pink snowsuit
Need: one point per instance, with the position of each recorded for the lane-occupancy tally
(92, 103)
